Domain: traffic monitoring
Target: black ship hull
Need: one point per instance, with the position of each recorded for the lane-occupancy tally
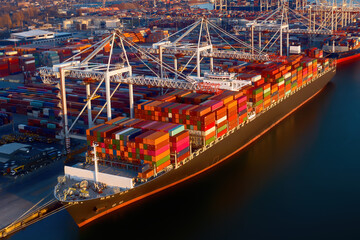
(344, 57)
(86, 211)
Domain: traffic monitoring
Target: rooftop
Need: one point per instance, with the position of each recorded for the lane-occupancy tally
(12, 147)
(31, 33)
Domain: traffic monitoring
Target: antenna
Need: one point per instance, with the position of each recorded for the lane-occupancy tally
(96, 170)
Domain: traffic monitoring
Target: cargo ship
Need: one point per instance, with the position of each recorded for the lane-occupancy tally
(182, 134)
(343, 49)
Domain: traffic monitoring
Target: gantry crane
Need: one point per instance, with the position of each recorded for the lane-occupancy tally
(278, 22)
(92, 72)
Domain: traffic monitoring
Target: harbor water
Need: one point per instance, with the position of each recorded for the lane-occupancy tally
(299, 181)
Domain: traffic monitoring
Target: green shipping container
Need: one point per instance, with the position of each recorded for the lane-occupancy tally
(147, 158)
(210, 140)
(281, 79)
(221, 128)
(259, 102)
(258, 90)
(163, 160)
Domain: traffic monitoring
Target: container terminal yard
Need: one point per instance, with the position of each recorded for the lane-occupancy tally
(117, 102)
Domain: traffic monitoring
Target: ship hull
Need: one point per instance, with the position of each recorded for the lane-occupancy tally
(345, 57)
(83, 212)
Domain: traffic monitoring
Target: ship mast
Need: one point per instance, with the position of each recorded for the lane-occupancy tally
(96, 170)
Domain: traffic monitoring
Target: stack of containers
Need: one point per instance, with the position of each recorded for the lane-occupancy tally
(221, 121)
(156, 149)
(25, 50)
(5, 118)
(126, 148)
(27, 63)
(267, 94)
(288, 82)
(314, 68)
(314, 53)
(309, 66)
(294, 84)
(257, 98)
(49, 58)
(179, 138)
(46, 132)
(281, 83)
(14, 65)
(242, 108)
(274, 92)
(43, 124)
(208, 127)
(301, 75)
(75, 49)
(64, 53)
(193, 98)
(4, 68)
(229, 99)
(232, 114)
(180, 146)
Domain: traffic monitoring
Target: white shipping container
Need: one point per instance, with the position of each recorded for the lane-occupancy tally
(256, 78)
(221, 120)
(209, 131)
(287, 75)
(11, 53)
(295, 49)
(30, 62)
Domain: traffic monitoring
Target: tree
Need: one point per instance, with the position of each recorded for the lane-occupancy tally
(6, 20)
(18, 19)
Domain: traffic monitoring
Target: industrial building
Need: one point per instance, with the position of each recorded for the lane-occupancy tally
(35, 36)
(84, 23)
(15, 155)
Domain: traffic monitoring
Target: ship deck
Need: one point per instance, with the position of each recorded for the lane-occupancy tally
(69, 188)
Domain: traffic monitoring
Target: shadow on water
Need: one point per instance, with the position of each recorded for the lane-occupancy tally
(208, 202)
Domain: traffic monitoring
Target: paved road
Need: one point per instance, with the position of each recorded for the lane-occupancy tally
(21, 193)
